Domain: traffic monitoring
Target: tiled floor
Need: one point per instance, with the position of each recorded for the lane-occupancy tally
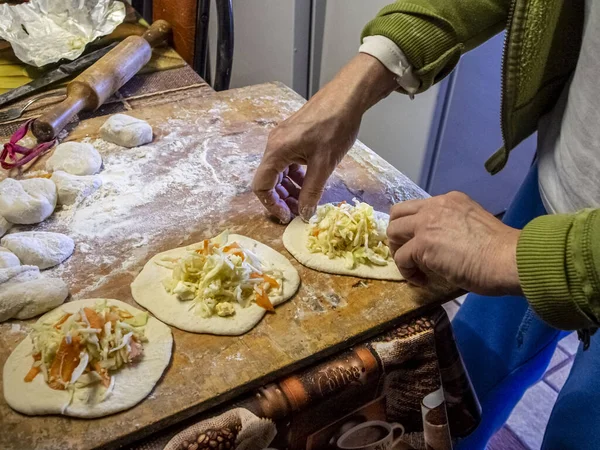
(525, 427)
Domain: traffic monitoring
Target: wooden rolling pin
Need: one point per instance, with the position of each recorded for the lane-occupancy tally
(90, 89)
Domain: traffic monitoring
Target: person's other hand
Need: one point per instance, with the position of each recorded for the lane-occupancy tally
(318, 136)
(454, 237)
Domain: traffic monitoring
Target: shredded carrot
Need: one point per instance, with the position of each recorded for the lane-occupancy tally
(65, 362)
(102, 372)
(272, 281)
(95, 319)
(231, 247)
(32, 374)
(125, 314)
(62, 320)
(315, 232)
(239, 253)
(37, 356)
(263, 301)
(343, 202)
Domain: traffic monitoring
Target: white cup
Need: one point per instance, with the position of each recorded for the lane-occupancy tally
(372, 435)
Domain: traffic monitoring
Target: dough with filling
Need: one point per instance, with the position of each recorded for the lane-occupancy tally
(133, 382)
(148, 291)
(295, 239)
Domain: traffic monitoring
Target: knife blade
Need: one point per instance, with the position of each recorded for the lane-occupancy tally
(60, 73)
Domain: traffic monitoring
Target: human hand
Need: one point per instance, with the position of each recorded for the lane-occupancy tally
(454, 237)
(318, 136)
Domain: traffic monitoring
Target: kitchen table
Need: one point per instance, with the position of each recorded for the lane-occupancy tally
(342, 347)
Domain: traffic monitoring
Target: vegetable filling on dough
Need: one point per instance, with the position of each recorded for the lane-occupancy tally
(349, 232)
(87, 347)
(214, 275)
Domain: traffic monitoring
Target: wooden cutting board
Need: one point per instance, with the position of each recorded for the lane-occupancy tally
(191, 183)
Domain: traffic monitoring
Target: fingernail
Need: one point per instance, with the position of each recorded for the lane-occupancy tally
(307, 212)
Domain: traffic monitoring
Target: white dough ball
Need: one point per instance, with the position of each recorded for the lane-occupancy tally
(39, 248)
(8, 259)
(126, 131)
(75, 158)
(27, 201)
(74, 188)
(24, 294)
(5, 225)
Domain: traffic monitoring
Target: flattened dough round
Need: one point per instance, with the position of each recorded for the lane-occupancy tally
(148, 291)
(76, 158)
(295, 239)
(133, 382)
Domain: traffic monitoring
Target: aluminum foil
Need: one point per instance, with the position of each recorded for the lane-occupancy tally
(44, 31)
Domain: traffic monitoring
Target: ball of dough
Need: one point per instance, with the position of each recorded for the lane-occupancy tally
(39, 248)
(8, 259)
(5, 225)
(75, 158)
(24, 294)
(27, 201)
(126, 131)
(74, 188)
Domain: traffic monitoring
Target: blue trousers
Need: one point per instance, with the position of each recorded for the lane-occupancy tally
(506, 349)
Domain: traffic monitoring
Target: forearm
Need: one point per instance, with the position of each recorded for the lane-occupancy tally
(360, 84)
(558, 261)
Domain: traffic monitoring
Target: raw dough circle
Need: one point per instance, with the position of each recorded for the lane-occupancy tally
(76, 158)
(148, 291)
(133, 382)
(295, 239)
(126, 131)
(39, 248)
(27, 201)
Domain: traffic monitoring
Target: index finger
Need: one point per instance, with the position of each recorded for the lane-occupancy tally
(264, 183)
(406, 208)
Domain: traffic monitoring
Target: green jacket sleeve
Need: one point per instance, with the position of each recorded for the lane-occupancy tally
(433, 34)
(558, 258)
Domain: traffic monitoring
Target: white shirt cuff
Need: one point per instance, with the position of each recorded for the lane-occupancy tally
(390, 55)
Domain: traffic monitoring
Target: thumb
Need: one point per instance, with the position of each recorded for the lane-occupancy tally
(406, 261)
(317, 174)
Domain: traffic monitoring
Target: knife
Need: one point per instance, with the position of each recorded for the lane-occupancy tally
(62, 72)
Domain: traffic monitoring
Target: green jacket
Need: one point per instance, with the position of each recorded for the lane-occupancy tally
(558, 256)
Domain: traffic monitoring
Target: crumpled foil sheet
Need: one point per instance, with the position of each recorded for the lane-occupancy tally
(44, 31)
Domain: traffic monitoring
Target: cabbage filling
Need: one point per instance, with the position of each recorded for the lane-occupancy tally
(350, 232)
(87, 347)
(215, 276)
